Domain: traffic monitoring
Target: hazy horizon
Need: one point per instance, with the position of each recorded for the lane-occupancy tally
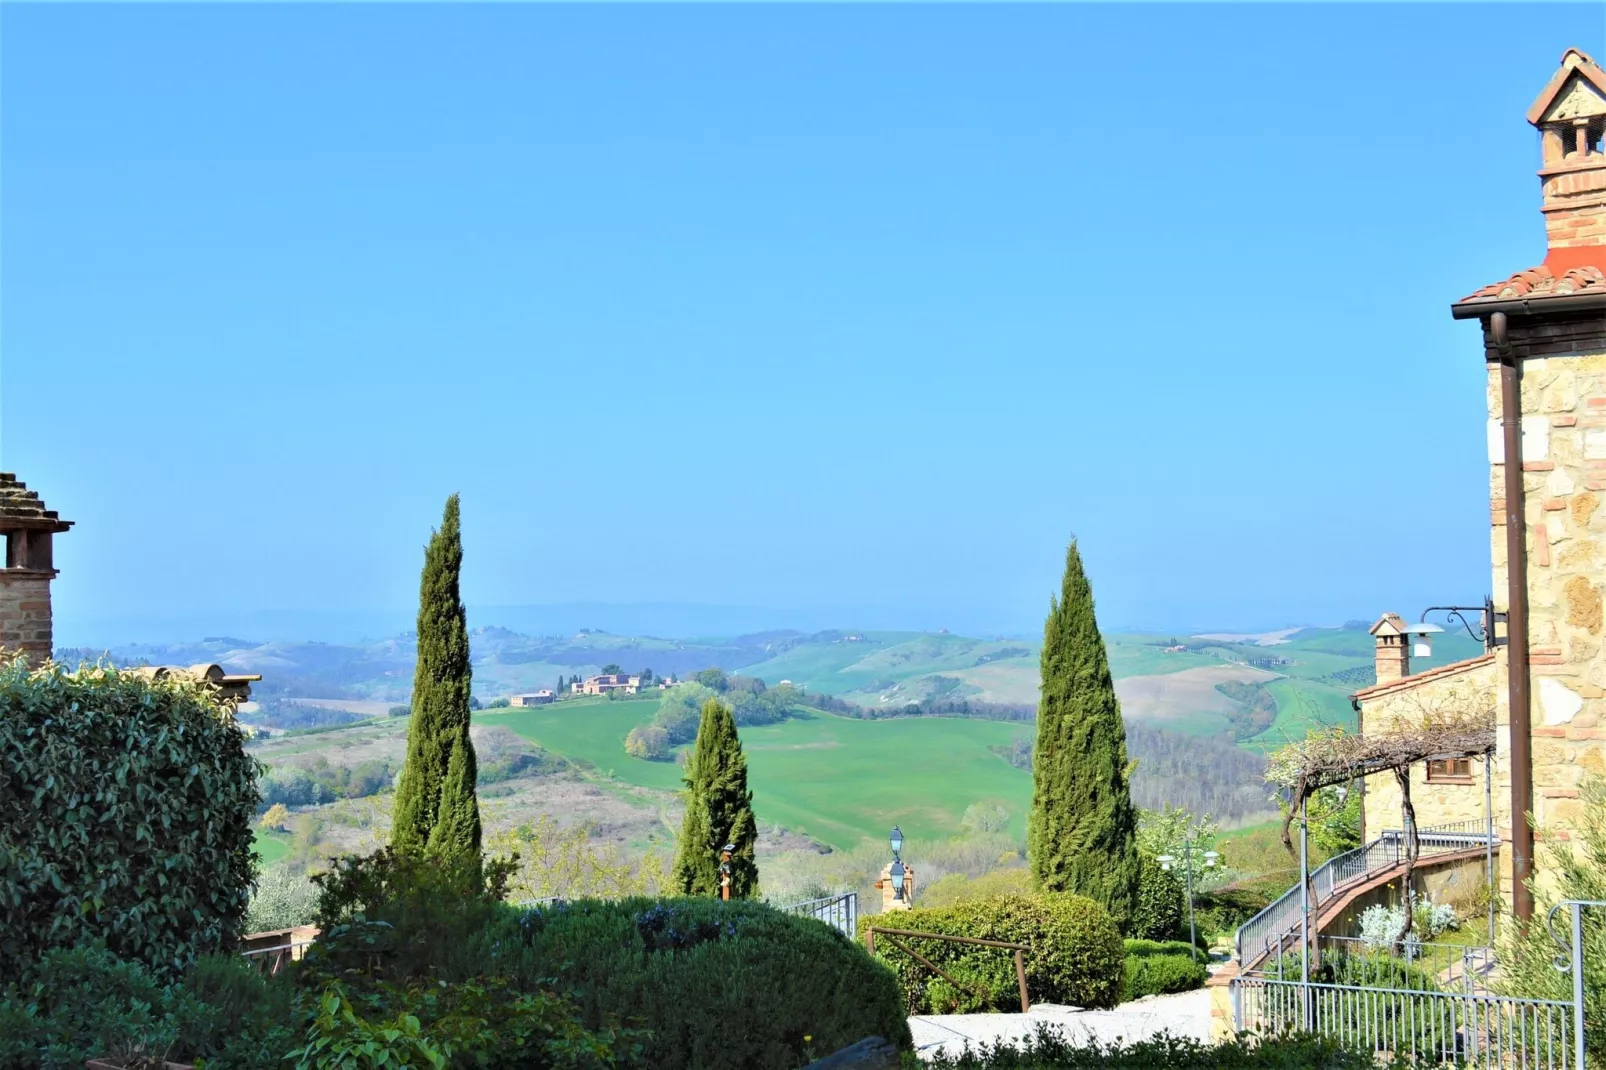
(659, 620)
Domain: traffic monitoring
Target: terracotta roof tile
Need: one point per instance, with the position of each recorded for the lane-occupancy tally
(1435, 673)
(1542, 282)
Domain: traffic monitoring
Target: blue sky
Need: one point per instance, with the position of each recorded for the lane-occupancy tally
(850, 314)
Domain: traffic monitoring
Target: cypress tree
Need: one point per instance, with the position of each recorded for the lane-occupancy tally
(1082, 833)
(435, 807)
(719, 810)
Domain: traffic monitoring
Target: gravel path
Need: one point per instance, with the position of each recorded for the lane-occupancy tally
(1185, 1014)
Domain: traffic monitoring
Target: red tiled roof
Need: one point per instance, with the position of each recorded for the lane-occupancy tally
(1541, 281)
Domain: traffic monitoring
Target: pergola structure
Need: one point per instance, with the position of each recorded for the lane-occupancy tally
(1335, 757)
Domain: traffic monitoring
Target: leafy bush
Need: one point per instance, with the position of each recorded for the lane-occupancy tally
(1157, 967)
(953, 888)
(126, 812)
(1157, 975)
(402, 971)
(85, 1003)
(719, 985)
(1075, 958)
(1579, 869)
(1160, 909)
(1051, 1049)
(284, 898)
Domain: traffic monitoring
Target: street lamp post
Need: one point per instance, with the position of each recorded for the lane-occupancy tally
(1207, 860)
(896, 873)
(725, 870)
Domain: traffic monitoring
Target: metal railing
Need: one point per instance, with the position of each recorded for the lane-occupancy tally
(270, 960)
(1407, 964)
(1431, 1027)
(841, 912)
(1262, 934)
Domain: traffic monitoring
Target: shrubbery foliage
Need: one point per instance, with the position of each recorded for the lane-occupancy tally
(1156, 967)
(126, 812)
(719, 986)
(1160, 912)
(1051, 1049)
(1075, 958)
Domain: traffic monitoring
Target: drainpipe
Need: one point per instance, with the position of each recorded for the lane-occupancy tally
(1522, 837)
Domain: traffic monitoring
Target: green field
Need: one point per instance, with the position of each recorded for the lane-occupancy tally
(270, 847)
(592, 731)
(838, 779)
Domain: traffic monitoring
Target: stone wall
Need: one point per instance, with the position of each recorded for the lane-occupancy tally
(1564, 477)
(1443, 692)
(25, 613)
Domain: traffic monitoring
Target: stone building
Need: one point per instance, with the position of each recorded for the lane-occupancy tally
(1544, 347)
(29, 529)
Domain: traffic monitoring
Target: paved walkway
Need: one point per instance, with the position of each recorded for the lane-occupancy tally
(1184, 1014)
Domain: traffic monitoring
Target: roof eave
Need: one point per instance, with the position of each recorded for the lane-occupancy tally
(1527, 306)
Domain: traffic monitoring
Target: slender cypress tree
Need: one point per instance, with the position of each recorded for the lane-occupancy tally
(1082, 834)
(436, 808)
(719, 810)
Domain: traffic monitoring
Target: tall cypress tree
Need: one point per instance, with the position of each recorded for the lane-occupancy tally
(1082, 834)
(436, 808)
(719, 810)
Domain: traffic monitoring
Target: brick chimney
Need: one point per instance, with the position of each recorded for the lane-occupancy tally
(28, 528)
(1392, 659)
(1571, 117)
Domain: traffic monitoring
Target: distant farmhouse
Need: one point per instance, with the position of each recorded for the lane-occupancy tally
(539, 698)
(601, 685)
(629, 683)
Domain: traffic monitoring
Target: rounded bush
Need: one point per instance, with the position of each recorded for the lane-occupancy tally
(720, 986)
(1075, 958)
(126, 807)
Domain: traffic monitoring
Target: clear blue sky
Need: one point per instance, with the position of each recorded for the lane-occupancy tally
(853, 312)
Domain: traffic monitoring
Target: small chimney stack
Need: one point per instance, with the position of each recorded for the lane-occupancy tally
(1392, 659)
(28, 527)
(1571, 116)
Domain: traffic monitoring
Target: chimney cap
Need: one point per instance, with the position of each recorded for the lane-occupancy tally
(1577, 70)
(1388, 624)
(22, 508)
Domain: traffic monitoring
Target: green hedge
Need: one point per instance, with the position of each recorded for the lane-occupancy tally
(1075, 958)
(1159, 967)
(126, 808)
(1161, 909)
(719, 986)
(1052, 1049)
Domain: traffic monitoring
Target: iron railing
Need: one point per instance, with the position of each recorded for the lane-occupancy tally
(1409, 963)
(841, 912)
(1431, 1027)
(1263, 933)
(270, 960)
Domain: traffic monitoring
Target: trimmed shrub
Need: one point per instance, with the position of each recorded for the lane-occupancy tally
(1161, 911)
(126, 813)
(719, 985)
(1075, 958)
(1158, 967)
